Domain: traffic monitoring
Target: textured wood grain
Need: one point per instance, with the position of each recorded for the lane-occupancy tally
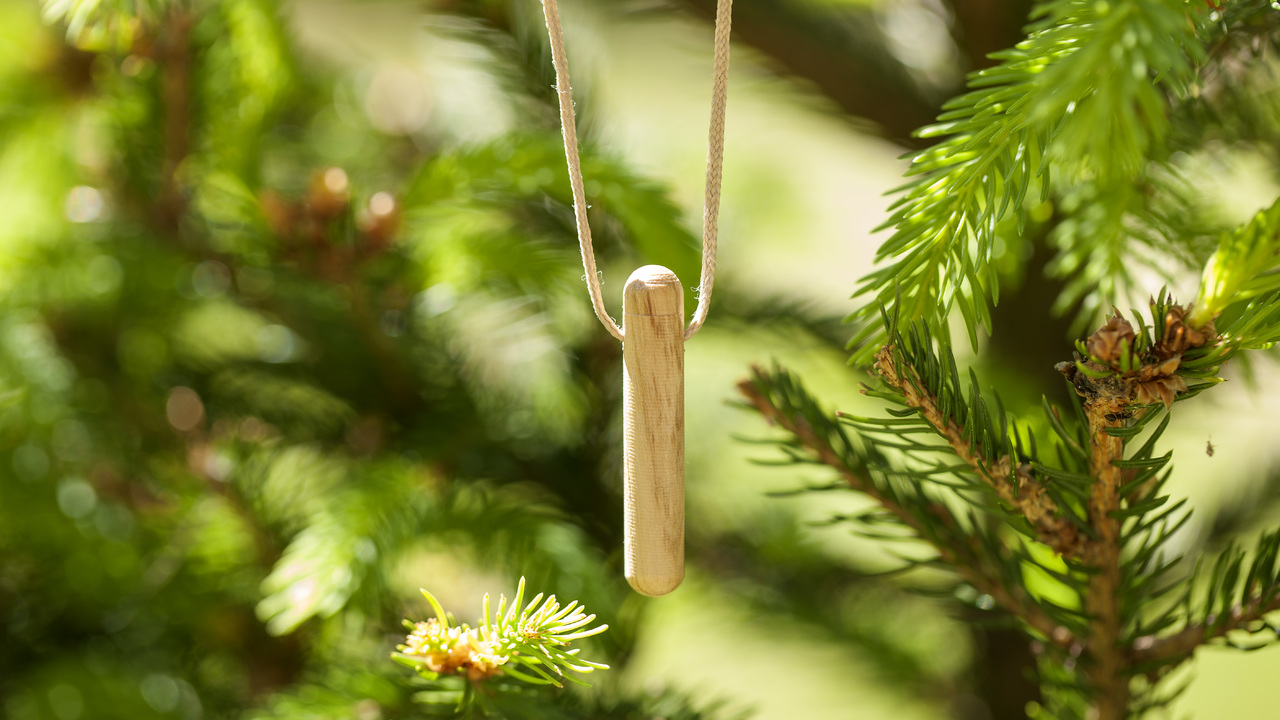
(653, 429)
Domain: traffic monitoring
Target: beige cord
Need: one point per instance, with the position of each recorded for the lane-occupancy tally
(715, 162)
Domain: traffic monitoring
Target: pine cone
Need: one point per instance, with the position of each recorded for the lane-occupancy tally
(1156, 381)
(1164, 369)
(1162, 389)
(1105, 344)
(1179, 336)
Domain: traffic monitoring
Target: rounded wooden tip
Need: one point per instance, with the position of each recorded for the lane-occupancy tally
(655, 586)
(653, 290)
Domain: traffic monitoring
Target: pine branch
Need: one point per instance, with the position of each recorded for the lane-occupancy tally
(1242, 28)
(1236, 102)
(1171, 650)
(1119, 373)
(1115, 227)
(969, 564)
(1012, 481)
(1113, 232)
(1244, 266)
(527, 642)
(1236, 599)
(1102, 553)
(1044, 104)
(1238, 306)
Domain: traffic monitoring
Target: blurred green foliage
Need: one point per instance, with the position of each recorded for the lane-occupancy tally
(266, 369)
(273, 357)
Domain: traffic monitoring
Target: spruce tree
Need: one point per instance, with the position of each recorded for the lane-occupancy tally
(1061, 519)
(267, 367)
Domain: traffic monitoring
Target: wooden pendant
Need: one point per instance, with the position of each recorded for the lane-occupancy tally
(653, 429)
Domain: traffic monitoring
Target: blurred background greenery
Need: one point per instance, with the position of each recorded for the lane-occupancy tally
(293, 324)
